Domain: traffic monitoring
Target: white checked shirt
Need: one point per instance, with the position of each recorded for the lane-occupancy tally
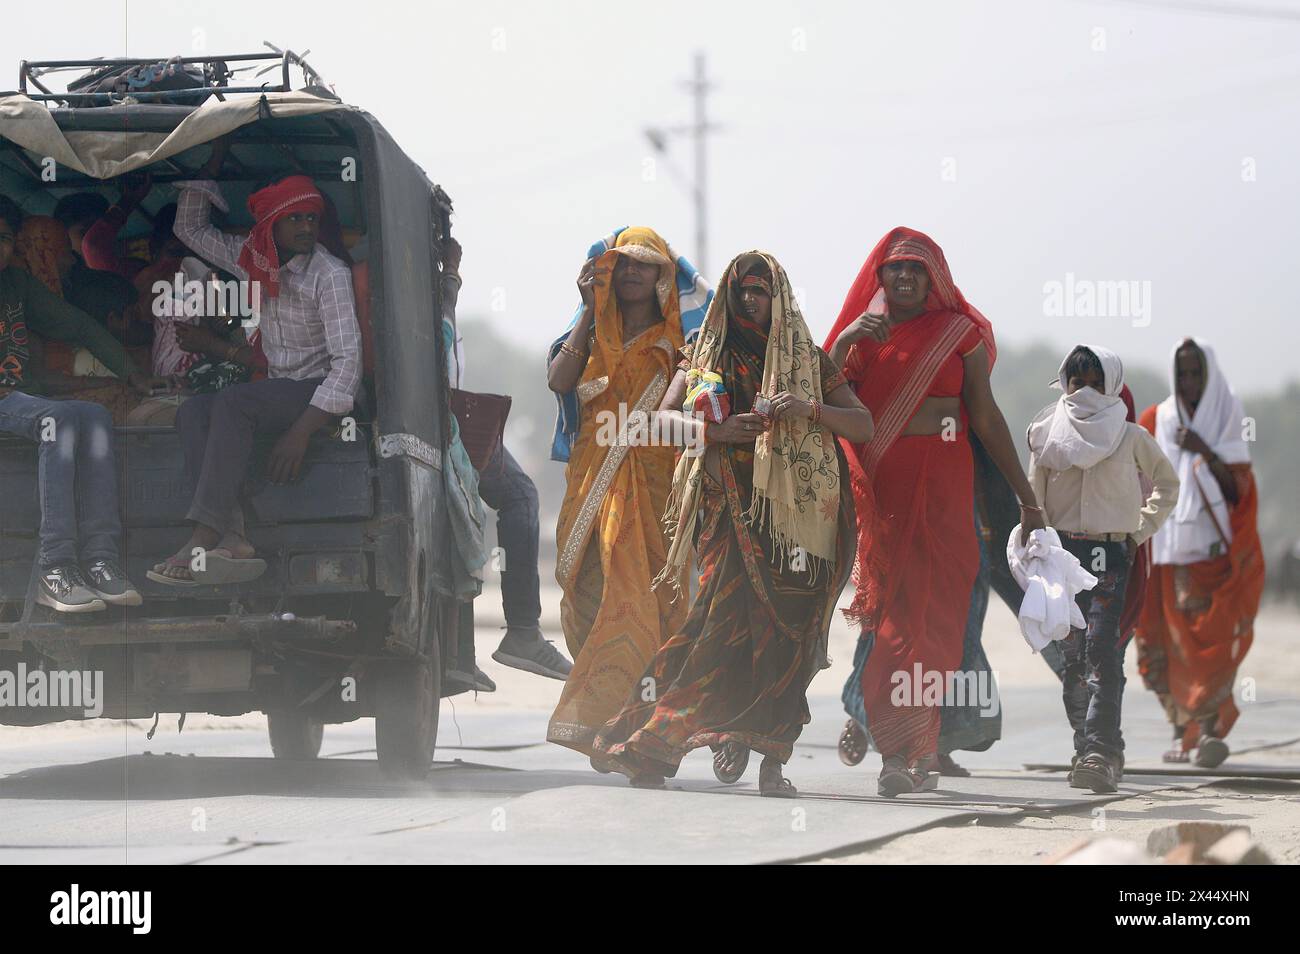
(310, 330)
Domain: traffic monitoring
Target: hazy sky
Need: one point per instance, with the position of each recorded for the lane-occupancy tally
(1113, 141)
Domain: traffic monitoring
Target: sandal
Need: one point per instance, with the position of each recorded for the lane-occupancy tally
(647, 780)
(1211, 752)
(896, 779)
(853, 743)
(941, 764)
(221, 566)
(174, 562)
(1178, 755)
(950, 769)
(772, 783)
(735, 753)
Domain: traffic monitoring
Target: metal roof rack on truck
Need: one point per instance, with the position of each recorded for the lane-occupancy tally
(214, 73)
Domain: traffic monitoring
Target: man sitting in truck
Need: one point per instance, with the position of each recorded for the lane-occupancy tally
(308, 321)
(78, 473)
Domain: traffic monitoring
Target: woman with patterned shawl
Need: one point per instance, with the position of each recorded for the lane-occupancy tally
(1207, 578)
(619, 357)
(919, 355)
(760, 498)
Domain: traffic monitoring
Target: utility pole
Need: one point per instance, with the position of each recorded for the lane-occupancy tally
(699, 86)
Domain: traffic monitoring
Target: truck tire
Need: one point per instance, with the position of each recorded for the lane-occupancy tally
(406, 716)
(294, 734)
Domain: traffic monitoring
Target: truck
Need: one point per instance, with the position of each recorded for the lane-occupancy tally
(361, 610)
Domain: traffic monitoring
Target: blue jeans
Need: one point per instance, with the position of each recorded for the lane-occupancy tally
(1092, 682)
(505, 488)
(77, 476)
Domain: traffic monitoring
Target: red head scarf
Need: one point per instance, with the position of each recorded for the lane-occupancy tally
(258, 257)
(872, 567)
(908, 245)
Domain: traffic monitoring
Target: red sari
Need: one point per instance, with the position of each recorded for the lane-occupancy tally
(918, 554)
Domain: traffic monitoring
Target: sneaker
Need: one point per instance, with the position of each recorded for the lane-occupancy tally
(1096, 772)
(110, 584)
(463, 681)
(525, 649)
(63, 588)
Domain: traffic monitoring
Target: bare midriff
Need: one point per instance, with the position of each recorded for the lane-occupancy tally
(934, 416)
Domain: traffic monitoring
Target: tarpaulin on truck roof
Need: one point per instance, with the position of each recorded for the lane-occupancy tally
(30, 124)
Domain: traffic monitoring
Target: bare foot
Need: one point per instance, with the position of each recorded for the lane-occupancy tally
(177, 566)
(235, 545)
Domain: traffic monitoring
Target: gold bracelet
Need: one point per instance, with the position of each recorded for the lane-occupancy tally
(569, 350)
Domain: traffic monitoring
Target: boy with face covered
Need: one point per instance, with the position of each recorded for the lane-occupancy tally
(1085, 462)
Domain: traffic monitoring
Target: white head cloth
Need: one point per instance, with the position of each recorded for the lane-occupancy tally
(1085, 427)
(1200, 518)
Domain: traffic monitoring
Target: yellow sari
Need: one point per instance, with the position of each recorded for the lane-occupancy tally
(610, 535)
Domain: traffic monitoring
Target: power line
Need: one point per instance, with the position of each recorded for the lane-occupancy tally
(699, 86)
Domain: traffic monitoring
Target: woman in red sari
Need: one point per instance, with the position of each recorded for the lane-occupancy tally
(918, 356)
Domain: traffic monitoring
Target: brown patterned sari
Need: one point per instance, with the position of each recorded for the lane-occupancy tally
(739, 668)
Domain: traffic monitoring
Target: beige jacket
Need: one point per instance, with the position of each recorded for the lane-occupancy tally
(1107, 498)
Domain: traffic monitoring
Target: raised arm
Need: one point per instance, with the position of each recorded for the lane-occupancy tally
(194, 213)
(99, 245)
(565, 369)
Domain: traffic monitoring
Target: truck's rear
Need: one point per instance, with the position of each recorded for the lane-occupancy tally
(355, 615)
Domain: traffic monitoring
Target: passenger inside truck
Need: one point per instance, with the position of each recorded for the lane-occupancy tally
(109, 249)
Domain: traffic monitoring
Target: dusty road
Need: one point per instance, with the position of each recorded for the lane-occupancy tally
(100, 792)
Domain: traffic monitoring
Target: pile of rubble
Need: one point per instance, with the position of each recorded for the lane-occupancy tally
(1186, 843)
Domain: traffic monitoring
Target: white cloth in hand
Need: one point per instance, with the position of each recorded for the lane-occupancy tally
(1051, 577)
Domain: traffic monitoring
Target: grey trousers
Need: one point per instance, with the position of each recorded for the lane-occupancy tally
(217, 435)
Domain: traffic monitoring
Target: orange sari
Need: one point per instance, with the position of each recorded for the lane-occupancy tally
(1198, 620)
(610, 535)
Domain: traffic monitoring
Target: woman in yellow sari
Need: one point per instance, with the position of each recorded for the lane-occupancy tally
(619, 357)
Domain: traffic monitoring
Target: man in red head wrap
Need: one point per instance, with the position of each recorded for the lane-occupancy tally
(288, 215)
(302, 299)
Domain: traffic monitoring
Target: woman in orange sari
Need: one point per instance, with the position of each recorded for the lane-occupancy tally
(620, 357)
(918, 355)
(1198, 618)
